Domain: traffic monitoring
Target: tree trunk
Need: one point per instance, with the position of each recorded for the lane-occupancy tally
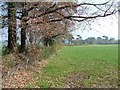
(12, 27)
(23, 30)
(48, 42)
(31, 37)
(23, 40)
(45, 41)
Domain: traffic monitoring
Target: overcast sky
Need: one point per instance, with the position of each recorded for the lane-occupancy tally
(104, 26)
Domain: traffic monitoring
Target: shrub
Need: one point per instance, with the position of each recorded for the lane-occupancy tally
(4, 50)
(48, 51)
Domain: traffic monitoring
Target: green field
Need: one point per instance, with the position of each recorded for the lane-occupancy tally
(89, 66)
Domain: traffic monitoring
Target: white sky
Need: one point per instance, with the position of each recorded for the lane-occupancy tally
(104, 26)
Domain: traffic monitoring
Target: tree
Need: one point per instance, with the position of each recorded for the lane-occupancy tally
(105, 39)
(90, 40)
(12, 27)
(80, 38)
(48, 20)
(112, 40)
(24, 28)
(119, 41)
(100, 40)
(58, 14)
(49, 31)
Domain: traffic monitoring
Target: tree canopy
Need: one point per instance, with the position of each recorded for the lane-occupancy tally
(45, 21)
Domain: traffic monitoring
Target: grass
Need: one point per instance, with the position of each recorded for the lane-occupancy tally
(99, 62)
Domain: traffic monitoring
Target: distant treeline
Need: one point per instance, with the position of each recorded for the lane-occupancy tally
(89, 40)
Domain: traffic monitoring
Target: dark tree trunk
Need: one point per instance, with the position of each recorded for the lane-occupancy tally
(31, 37)
(23, 30)
(12, 27)
(48, 42)
(45, 42)
(23, 40)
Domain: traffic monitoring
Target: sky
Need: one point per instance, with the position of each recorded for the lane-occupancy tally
(107, 26)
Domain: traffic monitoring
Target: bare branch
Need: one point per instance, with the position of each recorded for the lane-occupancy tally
(69, 6)
(51, 7)
(83, 18)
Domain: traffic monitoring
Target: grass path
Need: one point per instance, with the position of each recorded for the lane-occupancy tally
(81, 66)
